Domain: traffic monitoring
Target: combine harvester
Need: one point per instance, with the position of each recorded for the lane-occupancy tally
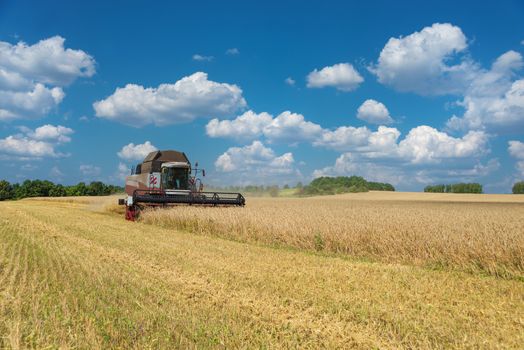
(166, 178)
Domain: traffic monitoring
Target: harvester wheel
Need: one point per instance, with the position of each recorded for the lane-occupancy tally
(131, 212)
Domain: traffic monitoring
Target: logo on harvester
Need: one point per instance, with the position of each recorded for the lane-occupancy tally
(153, 180)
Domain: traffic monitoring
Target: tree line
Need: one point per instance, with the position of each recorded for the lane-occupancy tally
(455, 188)
(342, 184)
(45, 188)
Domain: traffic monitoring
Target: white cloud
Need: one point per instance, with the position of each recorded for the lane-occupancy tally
(236, 158)
(425, 144)
(89, 170)
(38, 143)
(290, 81)
(374, 112)
(516, 150)
(247, 126)
(32, 76)
(287, 126)
(435, 61)
(189, 98)
(57, 133)
(343, 138)
(421, 62)
(255, 163)
(202, 58)
(341, 76)
(290, 126)
(232, 51)
(25, 147)
(381, 143)
(30, 104)
(422, 145)
(47, 61)
(136, 152)
(494, 99)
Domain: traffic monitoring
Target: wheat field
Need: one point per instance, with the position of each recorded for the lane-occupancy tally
(75, 274)
(478, 233)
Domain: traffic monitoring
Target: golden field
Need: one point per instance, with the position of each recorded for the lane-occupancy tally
(479, 233)
(345, 271)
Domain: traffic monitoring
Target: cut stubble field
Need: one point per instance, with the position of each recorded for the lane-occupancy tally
(367, 270)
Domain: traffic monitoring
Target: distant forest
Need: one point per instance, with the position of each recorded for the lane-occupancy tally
(342, 184)
(455, 188)
(44, 188)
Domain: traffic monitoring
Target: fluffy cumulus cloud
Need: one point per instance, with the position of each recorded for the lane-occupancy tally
(189, 98)
(48, 132)
(34, 103)
(341, 76)
(434, 61)
(374, 112)
(248, 126)
(425, 144)
(287, 126)
(516, 150)
(255, 163)
(290, 126)
(39, 143)
(428, 62)
(136, 152)
(495, 98)
(343, 138)
(422, 145)
(32, 77)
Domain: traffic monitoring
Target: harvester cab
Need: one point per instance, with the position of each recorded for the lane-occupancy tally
(165, 178)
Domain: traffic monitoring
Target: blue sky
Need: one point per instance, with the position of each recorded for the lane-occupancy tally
(266, 92)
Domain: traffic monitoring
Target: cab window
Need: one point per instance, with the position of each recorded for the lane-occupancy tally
(175, 178)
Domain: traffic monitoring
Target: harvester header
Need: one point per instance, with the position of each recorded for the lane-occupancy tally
(166, 178)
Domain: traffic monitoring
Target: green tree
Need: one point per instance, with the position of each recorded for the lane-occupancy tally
(6, 190)
(58, 191)
(518, 188)
(97, 188)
